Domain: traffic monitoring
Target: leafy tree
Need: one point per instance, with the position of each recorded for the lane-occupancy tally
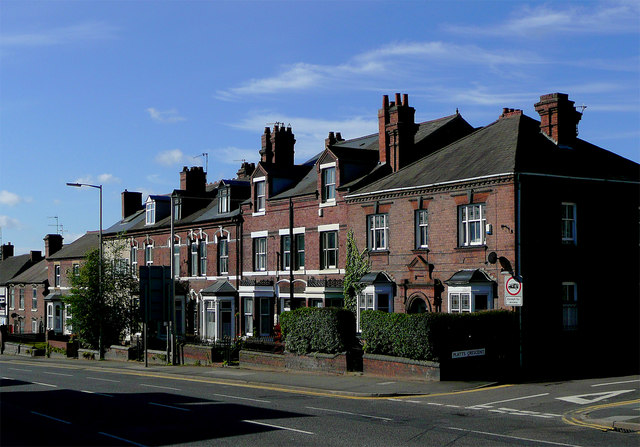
(111, 311)
(356, 267)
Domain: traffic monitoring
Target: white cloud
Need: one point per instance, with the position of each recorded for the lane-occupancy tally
(403, 60)
(172, 157)
(82, 32)
(544, 21)
(165, 116)
(9, 198)
(10, 223)
(101, 179)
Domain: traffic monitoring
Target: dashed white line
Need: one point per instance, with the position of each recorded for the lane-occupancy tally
(453, 406)
(278, 426)
(511, 400)
(350, 413)
(241, 398)
(168, 406)
(121, 439)
(57, 374)
(385, 383)
(51, 417)
(512, 437)
(104, 380)
(434, 404)
(45, 384)
(18, 369)
(158, 386)
(618, 383)
(93, 392)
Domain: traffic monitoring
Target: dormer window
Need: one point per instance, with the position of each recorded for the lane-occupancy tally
(151, 212)
(259, 195)
(224, 200)
(328, 183)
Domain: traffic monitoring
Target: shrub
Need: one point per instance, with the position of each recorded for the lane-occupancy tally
(317, 329)
(433, 336)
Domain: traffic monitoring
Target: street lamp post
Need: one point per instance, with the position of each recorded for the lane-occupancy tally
(99, 187)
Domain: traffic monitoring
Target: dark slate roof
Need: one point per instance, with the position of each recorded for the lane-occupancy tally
(36, 274)
(127, 224)
(159, 198)
(464, 277)
(13, 266)
(219, 287)
(375, 277)
(79, 248)
(509, 145)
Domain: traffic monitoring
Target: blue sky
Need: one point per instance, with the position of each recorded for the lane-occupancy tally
(125, 93)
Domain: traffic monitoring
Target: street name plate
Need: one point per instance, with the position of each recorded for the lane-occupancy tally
(468, 353)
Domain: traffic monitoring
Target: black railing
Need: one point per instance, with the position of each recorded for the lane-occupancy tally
(325, 282)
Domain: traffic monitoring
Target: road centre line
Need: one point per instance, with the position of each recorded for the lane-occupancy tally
(93, 392)
(163, 387)
(45, 384)
(168, 406)
(18, 369)
(512, 437)
(511, 400)
(350, 413)
(618, 383)
(278, 426)
(105, 380)
(51, 417)
(121, 439)
(58, 374)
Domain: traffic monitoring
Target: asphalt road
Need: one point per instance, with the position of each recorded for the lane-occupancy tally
(44, 403)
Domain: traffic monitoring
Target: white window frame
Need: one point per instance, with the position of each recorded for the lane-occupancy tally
(56, 274)
(176, 259)
(34, 326)
(372, 297)
(202, 257)
(378, 232)
(21, 298)
(259, 254)
(467, 223)
(569, 306)
(463, 298)
(286, 252)
(194, 257)
(12, 297)
(150, 212)
(223, 255)
(422, 229)
(328, 182)
(34, 298)
(260, 195)
(224, 199)
(148, 253)
(569, 222)
(248, 315)
(326, 251)
(50, 316)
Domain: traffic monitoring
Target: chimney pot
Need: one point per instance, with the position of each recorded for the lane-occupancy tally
(398, 100)
(405, 100)
(7, 251)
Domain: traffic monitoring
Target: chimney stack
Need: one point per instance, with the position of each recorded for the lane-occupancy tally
(35, 256)
(7, 251)
(193, 180)
(52, 243)
(396, 130)
(246, 169)
(131, 202)
(278, 146)
(558, 118)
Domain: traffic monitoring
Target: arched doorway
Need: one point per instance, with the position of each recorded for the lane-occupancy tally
(418, 304)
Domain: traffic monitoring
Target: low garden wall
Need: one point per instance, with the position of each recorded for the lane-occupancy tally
(399, 367)
(197, 355)
(259, 359)
(120, 353)
(62, 349)
(316, 362)
(13, 348)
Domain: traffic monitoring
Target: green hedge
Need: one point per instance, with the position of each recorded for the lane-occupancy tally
(317, 329)
(433, 336)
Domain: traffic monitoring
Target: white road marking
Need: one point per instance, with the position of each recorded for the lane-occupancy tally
(93, 392)
(583, 399)
(121, 439)
(512, 437)
(618, 383)
(434, 404)
(453, 406)
(278, 426)
(105, 380)
(18, 369)
(158, 386)
(511, 400)
(385, 383)
(45, 384)
(348, 412)
(58, 374)
(241, 398)
(51, 417)
(168, 406)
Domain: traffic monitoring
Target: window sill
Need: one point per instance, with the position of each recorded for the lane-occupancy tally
(472, 247)
(258, 213)
(327, 203)
(420, 250)
(378, 252)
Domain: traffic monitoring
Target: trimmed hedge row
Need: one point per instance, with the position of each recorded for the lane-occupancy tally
(317, 329)
(433, 336)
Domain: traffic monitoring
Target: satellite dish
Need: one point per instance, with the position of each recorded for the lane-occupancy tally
(492, 258)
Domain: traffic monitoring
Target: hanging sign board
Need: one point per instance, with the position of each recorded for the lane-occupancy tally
(513, 291)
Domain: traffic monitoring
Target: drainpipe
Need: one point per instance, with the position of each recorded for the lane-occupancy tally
(292, 246)
(518, 269)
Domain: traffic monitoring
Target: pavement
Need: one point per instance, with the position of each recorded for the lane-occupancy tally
(621, 416)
